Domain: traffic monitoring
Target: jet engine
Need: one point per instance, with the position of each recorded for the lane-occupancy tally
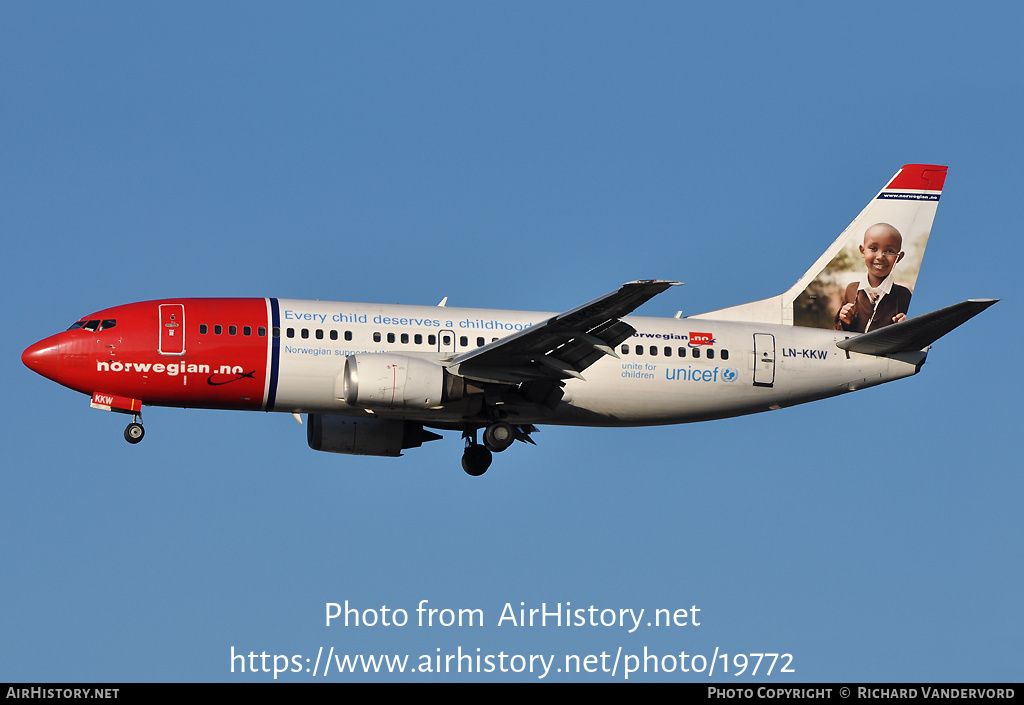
(342, 434)
(387, 381)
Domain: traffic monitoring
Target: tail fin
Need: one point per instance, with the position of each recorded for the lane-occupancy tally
(907, 204)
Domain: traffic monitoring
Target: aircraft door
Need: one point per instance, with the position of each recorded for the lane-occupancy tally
(764, 360)
(172, 329)
(446, 341)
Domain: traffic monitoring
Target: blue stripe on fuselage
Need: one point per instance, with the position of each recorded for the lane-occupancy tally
(275, 352)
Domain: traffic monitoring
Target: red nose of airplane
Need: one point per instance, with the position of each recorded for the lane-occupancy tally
(44, 357)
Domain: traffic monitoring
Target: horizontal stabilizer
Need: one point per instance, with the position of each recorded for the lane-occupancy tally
(915, 333)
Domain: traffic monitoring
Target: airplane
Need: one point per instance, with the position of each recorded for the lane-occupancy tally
(372, 379)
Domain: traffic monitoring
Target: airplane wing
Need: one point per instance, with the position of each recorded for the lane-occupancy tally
(562, 346)
(915, 333)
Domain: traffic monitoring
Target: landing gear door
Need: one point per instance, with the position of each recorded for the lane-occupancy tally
(764, 360)
(172, 329)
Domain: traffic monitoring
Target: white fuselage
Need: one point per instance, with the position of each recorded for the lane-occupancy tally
(713, 369)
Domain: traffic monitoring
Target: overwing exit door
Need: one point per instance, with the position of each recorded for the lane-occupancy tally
(446, 341)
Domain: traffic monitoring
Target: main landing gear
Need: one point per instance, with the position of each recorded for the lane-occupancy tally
(134, 432)
(476, 459)
(497, 437)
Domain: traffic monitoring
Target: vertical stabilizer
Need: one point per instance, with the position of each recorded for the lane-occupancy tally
(903, 212)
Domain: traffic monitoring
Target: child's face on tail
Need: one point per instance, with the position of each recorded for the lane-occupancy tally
(881, 250)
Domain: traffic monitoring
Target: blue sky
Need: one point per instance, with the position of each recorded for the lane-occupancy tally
(530, 156)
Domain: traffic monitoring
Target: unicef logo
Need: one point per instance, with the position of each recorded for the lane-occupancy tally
(729, 374)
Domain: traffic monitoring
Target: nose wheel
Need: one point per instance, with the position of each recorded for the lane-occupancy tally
(134, 432)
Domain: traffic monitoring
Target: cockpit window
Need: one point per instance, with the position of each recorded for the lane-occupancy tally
(94, 325)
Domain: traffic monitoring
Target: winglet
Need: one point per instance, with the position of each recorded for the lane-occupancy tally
(915, 333)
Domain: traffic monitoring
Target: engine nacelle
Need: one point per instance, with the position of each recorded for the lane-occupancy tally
(341, 434)
(386, 381)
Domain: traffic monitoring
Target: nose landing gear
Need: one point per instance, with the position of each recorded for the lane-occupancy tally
(134, 432)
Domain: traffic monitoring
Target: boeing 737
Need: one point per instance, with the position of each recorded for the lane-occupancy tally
(374, 378)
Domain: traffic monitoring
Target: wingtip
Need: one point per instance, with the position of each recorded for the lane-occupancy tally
(665, 282)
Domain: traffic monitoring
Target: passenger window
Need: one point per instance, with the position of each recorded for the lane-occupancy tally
(262, 332)
(319, 334)
(431, 339)
(218, 329)
(277, 331)
(682, 352)
(479, 342)
(696, 352)
(247, 330)
(639, 349)
(202, 329)
(391, 337)
(464, 341)
(418, 339)
(725, 354)
(625, 349)
(305, 333)
(348, 335)
(405, 338)
(376, 337)
(711, 353)
(654, 350)
(668, 351)
(232, 330)
(334, 335)
(290, 332)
